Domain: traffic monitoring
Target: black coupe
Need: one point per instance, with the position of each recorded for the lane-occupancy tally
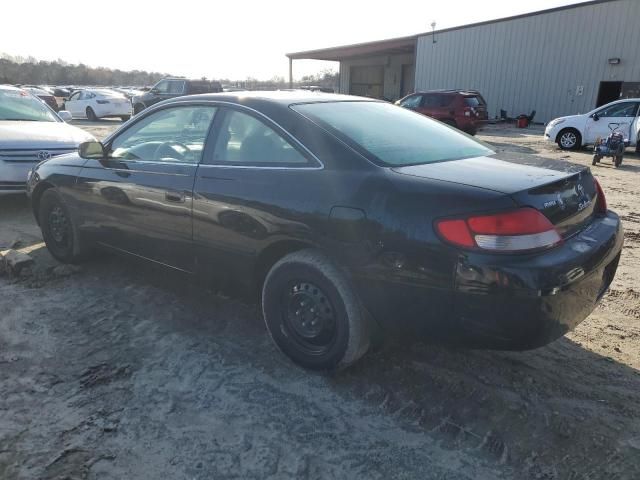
(346, 215)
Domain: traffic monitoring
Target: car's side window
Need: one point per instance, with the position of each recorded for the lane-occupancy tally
(176, 86)
(412, 102)
(170, 135)
(245, 140)
(162, 86)
(626, 109)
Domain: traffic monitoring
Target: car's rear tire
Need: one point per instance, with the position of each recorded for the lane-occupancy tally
(569, 139)
(137, 108)
(91, 115)
(451, 123)
(124, 118)
(59, 230)
(313, 313)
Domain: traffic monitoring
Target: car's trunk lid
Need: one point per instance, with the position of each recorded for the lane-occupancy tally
(564, 192)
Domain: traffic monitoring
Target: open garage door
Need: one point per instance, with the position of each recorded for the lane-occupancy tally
(367, 81)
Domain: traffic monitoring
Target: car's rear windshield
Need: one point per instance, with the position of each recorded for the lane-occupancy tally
(391, 135)
(22, 106)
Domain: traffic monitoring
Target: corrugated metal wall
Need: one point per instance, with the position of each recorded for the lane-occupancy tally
(537, 62)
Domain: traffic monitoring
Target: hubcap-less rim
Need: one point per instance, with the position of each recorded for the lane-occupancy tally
(309, 317)
(58, 225)
(568, 139)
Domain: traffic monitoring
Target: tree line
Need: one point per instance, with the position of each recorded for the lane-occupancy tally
(19, 70)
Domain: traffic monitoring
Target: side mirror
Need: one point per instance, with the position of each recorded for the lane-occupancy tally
(595, 117)
(92, 150)
(65, 116)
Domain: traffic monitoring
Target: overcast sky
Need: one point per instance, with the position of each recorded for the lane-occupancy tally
(225, 39)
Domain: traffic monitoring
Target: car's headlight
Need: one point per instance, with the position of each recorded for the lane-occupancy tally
(555, 122)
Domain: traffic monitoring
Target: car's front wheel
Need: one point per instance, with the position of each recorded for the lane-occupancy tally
(58, 229)
(569, 139)
(312, 312)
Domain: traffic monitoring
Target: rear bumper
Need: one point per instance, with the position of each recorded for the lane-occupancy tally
(507, 302)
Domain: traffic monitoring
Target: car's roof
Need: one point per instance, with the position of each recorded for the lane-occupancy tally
(282, 97)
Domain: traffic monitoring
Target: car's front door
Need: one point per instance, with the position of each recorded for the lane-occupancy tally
(618, 116)
(139, 198)
(71, 105)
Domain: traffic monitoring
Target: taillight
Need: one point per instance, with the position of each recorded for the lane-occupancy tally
(601, 201)
(517, 230)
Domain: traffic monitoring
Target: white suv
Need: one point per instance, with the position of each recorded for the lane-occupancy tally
(576, 131)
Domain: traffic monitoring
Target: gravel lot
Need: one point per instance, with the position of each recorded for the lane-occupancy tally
(119, 370)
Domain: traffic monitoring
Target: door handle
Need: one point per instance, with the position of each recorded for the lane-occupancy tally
(176, 197)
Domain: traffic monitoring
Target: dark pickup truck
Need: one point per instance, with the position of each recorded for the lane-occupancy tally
(173, 87)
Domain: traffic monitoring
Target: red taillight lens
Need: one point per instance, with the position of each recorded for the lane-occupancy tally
(601, 201)
(518, 230)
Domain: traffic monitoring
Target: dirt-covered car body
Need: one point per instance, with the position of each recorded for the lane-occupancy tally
(388, 227)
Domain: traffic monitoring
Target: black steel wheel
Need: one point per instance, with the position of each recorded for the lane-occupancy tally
(312, 312)
(58, 229)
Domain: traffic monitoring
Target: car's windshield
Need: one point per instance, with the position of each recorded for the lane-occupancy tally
(22, 106)
(392, 135)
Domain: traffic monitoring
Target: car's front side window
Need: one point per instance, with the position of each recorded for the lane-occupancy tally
(626, 109)
(173, 134)
(162, 86)
(245, 140)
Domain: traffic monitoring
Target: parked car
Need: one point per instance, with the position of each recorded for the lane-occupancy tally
(170, 88)
(43, 95)
(575, 131)
(463, 109)
(342, 226)
(94, 104)
(30, 131)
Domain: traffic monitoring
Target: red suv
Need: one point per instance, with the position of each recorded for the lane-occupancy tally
(463, 109)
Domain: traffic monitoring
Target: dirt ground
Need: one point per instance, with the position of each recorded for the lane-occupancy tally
(118, 370)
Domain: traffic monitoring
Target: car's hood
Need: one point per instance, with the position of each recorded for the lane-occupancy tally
(17, 135)
(504, 172)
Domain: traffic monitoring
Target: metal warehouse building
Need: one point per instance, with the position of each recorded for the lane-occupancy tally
(559, 61)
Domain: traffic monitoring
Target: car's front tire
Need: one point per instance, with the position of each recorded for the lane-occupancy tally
(137, 108)
(59, 230)
(312, 312)
(569, 139)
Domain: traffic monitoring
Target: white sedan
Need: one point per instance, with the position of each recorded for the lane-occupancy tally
(93, 104)
(576, 131)
(31, 132)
